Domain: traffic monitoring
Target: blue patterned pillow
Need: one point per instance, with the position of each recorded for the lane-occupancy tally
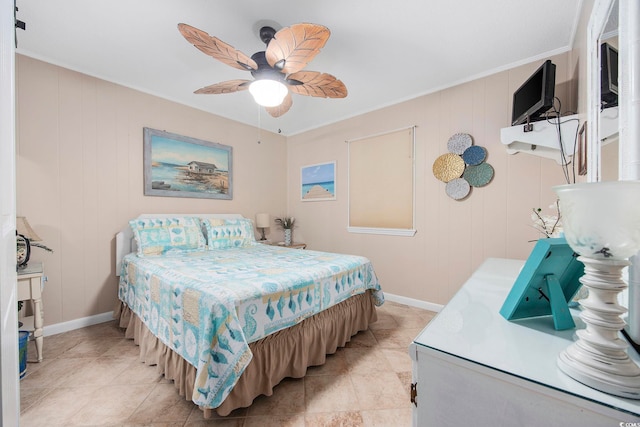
(232, 233)
(160, 236)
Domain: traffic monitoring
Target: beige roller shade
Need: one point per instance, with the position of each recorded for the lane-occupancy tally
(381, 180)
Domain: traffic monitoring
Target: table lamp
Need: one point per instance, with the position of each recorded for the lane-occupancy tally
(25, 235)
(262, 222)
(601, 222)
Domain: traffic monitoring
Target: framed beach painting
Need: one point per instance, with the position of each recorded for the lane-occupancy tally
(180, 166)
(318, 182)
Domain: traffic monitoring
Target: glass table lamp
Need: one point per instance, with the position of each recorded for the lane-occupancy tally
(601, 222)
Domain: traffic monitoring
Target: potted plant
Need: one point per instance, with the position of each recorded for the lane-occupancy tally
(287, 224)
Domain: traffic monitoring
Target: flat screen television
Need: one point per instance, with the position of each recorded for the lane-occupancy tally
(608, 75)
(535, 96)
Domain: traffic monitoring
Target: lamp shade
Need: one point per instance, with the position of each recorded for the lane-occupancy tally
(262, 220)
(601, 219)
(267, 92)
(23, 227)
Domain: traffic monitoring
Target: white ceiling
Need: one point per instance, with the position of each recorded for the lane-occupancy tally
(385, 51)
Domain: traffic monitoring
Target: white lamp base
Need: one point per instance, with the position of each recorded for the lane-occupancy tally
(598, 358)
(607, 382)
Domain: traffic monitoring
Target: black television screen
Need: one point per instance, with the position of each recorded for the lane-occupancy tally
(608, 75)
(535, 96)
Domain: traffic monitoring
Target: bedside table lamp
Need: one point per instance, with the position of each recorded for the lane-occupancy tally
(601, 222)
(26, 235)
(262, 222)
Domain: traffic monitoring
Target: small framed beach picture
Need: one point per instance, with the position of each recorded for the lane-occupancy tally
(180, 166)
(318, 182)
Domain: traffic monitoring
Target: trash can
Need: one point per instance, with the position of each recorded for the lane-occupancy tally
(23, 340)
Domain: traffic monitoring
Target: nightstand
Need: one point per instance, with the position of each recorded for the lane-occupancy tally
(30, 282)
(294, 245)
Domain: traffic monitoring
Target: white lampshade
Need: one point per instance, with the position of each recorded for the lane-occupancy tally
(262, 220)
(267, 92)
(23, 227)
(601, 219)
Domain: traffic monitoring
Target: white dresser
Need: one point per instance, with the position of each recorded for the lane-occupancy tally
(473, 367)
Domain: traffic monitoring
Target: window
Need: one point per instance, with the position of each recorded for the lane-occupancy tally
(382, 183)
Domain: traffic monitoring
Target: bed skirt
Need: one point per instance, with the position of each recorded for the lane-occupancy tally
(283, 354)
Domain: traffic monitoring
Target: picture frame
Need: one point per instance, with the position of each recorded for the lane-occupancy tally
(181, 166)
(582, 150)
(318, 182)
(548, 281)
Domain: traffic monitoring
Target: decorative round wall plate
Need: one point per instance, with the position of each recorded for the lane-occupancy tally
(459, 142)
(448, 166)
(474, 155)
(479, 175)
(463, 167)
(457, 188)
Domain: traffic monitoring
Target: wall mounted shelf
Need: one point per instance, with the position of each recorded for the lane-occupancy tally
(609, 125)
(542, 140)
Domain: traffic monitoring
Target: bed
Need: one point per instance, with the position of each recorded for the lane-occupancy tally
(227, 318)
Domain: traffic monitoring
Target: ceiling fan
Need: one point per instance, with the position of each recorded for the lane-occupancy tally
(277, 70)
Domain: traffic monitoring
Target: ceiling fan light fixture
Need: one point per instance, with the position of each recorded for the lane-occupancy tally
(267, 92)
(277, 70)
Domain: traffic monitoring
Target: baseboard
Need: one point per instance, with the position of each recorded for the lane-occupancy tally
(71, 325)
(425, 305)
(59, 328)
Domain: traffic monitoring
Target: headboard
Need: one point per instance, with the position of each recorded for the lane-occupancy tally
(125, 242)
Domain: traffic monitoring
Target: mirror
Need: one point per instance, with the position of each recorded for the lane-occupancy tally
(613, 160)
(603, 156)
(609, 145)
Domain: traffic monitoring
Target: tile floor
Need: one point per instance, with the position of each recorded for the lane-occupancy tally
(92, 377)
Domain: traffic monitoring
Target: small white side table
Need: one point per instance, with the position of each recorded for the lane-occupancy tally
(294, 245)
(30, 285)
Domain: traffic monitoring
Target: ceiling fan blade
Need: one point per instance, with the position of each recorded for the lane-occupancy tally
(282, 108)
(217, 49)
(297, 45)
(224, 87)
(322, 85)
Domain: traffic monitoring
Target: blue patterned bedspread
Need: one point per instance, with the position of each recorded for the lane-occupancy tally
(208, 306)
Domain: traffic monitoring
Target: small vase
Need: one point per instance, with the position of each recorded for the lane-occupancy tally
(287, 237)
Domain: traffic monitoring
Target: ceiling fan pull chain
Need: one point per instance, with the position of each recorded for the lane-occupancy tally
(259, 125)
